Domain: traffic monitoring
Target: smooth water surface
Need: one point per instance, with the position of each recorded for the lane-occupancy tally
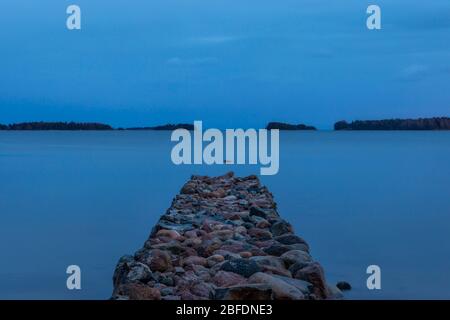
(358, 198)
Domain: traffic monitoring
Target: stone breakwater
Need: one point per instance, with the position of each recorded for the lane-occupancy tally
(222, 238)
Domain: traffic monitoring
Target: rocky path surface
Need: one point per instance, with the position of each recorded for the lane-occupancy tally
(222, 238)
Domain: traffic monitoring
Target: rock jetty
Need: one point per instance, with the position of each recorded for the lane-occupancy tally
(222, 238)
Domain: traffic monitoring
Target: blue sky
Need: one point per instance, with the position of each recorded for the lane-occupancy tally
(230, 64)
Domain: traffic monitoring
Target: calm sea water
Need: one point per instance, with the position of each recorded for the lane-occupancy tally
(358, 198)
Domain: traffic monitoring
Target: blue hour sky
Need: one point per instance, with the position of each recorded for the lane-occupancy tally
(228, 63)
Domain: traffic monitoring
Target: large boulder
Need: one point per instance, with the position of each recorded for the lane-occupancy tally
(244, 267)
(262, 261)
(157, 260)
(304, 286)
(172, 234)
(129, 271)
(260, 234)
(194, 260)
(137, 291)
(280, 228)
(245, 292)
(313, 273)
(277, 249)
(296, 256)
(335, 293)
(227, 279)
(281, 289)
(203, 290)
(289, 239)
(256, 211)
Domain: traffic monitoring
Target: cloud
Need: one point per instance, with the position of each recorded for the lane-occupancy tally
(446, 70)
(427, 19)
(415, 72)
(213, 40)
(322, 53)
(177, 61)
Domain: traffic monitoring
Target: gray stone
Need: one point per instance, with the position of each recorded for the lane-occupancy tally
(174, 226)
(281, 289)
(296, 256)
(303, 286)
(227, 279)
(171, 297)
(343, 285)
(280, 228)
(289, 239)
(256, 211)
(268, 261)
(168, 281)
(139, 272)
(276, 249)
(245, 292)
(314, 274)
(244, 267)
(128, 271)
(167, 291)
(335, 293)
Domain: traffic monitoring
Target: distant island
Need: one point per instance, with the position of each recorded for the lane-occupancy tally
(442, 123)
(56, 126)
(75, 126)
(437, 123)
(287, 126)
(166, 127)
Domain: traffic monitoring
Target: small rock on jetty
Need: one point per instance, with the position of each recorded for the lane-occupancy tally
(222, 238)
